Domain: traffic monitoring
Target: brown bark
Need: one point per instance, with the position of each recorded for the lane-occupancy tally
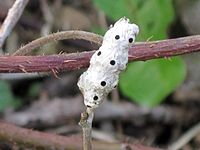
(29, 138)
(140, 52)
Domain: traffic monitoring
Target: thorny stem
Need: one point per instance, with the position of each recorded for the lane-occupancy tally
(140, 51)
(86, 124)
(13, 16)
(74, 34)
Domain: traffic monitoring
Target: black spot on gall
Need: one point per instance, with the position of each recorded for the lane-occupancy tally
(112, 62)
(103, 83)
(117, 37)
(130, 40)
(95, 98)
(99, 53)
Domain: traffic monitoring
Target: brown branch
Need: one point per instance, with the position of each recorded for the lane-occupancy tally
(29, 138)
(74, 34)
(86, 125)
(141, 51)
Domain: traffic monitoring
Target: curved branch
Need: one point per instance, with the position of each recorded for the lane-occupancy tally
(141, 51)
(75, 34)
(29, 138)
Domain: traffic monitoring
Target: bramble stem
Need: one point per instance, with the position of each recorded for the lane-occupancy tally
(74, 34)
(140, 51)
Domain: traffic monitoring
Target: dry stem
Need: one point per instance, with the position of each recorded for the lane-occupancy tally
(13, 16)
(48, 16)
(86, 124)
(184, 139)
(74, 34)
(28, 138)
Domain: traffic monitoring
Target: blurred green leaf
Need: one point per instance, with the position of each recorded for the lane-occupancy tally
(152, 16)
(148, 83)
(6, 97)
(114, 9)
(34, 89)
(98, 30)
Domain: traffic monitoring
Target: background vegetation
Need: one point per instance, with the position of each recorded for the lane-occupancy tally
(157, 100)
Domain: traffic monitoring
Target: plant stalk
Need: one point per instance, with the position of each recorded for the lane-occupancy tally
(86, 124)
(140, 52)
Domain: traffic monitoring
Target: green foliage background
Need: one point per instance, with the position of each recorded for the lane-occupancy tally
(147, 83)
(6, 97)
